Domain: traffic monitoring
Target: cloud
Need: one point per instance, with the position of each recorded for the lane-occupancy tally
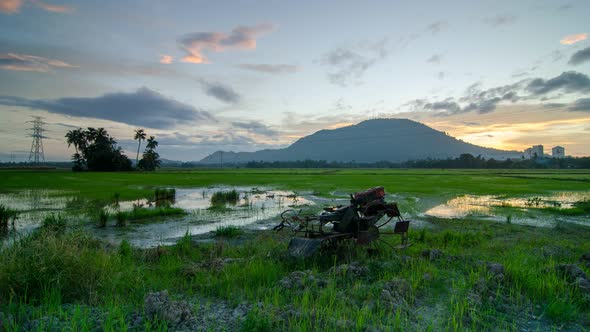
(52, 8)
(221, 92)
(25, 62)
(270, 69)
(436, 58)
(14, 6)
(348, 65)
(572, 39)
(448, 106)
(10, 6)
(144, 107)
(475, 99)
(241, 38)
(499, 20)
(569, 81)
(166, 59)
(441, 75)
(256, 128)
(582, 104)
(580, 57)
(436, 27)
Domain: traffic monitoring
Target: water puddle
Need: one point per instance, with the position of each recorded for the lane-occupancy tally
(258, 208)
(521, 210)
(250, 207)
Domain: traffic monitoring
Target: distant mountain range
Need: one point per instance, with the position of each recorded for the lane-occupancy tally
(393, 140)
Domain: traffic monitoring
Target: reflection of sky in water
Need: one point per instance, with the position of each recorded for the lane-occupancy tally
(523, 208)
(258, 209)
(34, 206)
(251, 208)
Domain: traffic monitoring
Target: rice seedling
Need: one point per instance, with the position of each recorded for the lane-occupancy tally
(225, 197)
(121, 218)
(228, 231)
(102, 218)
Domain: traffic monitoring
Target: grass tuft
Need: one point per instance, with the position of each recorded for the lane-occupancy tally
(228, 231)
(55, 223)
(225, 197)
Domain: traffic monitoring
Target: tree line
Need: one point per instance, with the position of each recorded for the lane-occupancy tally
(96, 150)
(463, 161)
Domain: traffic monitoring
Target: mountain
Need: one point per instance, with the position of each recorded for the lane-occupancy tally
(392, 140)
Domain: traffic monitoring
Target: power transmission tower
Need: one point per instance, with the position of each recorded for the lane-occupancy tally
(37, 155)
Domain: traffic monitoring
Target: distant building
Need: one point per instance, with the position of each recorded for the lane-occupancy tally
(558, 152)
(535, 151)
(528, 153)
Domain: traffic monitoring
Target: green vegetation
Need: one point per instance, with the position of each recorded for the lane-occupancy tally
(96, 150)
(578, 209)
(7, 215)
(450, 183)
(55, 223)
(228, 231)
(150, 159)
(102, 218)
(225, 197)
(164, 194)
(442, 282)
(453, 291)
(121, 218)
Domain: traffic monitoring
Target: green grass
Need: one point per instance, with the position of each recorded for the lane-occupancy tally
(135, 185)
(145, 214)
(42, 272)
(164, 194)
(228, 231)
(579, 209)
(55, 223)
(7, 215)
(225, 197)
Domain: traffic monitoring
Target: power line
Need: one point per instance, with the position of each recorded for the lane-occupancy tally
(37, 155)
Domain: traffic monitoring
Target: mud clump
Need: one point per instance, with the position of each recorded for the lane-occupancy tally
(488, 289)
(571, 272)
(432, 254)
(177, 314)
(353, 269)
(395, 294)
(301, 280)
(576, 277)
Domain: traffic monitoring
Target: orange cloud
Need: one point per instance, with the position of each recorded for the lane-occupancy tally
(572, 39)
(166, 59)
(14, 6)
(52, 8)
(10, 6)
(243, 38)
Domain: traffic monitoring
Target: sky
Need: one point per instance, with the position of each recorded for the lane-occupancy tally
(204, 76)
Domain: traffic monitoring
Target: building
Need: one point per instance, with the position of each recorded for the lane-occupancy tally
(528, 153)
(558, 152)
(535, 151)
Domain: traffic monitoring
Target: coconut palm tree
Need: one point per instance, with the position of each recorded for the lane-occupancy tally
(139, 135)
(75, 137)
(152, 143)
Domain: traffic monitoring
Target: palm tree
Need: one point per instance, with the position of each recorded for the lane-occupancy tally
(139, 135)
(152, 143)
(74, 137)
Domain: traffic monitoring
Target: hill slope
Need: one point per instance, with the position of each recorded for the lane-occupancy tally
(392, 140)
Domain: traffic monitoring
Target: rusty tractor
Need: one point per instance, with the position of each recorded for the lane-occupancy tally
(358, 221)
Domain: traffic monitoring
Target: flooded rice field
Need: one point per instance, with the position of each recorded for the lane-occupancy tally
(207, 209)
(522, 210)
